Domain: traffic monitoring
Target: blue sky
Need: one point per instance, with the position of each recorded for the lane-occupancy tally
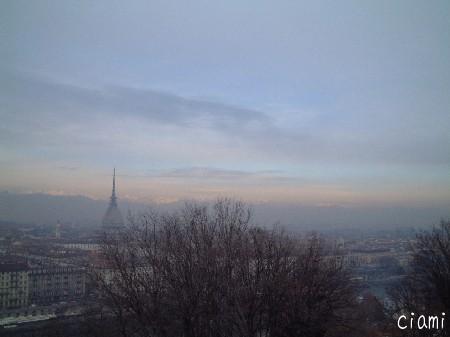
(314, 103)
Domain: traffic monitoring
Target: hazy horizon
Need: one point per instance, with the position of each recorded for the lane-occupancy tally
(47, 209)
(309, 107)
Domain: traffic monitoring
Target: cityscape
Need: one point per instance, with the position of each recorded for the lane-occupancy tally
(45, 269)
(224, 168)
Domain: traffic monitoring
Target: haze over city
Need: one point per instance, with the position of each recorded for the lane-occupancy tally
(319, 113)
(224, 168)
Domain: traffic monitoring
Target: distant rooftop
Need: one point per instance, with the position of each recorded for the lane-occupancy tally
(13, 267)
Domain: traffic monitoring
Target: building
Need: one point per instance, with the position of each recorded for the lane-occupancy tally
(112, 219)
(84, 246)
(13, 285)
(58, 230)
(56, 284)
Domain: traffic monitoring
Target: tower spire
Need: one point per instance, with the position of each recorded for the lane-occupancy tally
(114, 184)
(113, 217)
(113, 194)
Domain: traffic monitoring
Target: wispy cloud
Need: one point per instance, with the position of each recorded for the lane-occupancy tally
(215, 173)
(96, 116)
(65, 103)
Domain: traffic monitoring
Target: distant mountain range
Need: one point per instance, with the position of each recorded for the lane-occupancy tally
(39, 208)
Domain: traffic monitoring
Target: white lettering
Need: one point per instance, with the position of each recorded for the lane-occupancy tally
(422, 323)
(433, 322)
(398, 322)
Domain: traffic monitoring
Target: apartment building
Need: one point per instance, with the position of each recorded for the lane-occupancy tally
(13, 285)
(56, 284)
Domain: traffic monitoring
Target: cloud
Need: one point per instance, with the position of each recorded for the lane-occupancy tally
(215, 173)
(65, 103)
(187, 147)
(39, 110)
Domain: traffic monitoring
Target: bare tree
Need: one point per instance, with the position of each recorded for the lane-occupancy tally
(210, 272)
(426, 289)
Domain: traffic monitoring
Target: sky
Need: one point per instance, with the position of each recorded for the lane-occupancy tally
(318, 104)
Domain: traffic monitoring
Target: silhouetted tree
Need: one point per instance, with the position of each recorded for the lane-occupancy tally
(203, 272)
(426, 289)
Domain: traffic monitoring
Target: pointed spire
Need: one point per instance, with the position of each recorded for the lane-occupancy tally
(113, 217)
(113, 194)
(114, 183)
